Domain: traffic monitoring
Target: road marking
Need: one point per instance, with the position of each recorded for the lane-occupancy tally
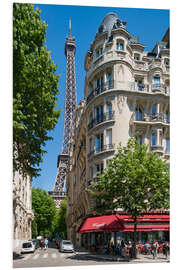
(36, 256)
(54, 255)
(45, 255)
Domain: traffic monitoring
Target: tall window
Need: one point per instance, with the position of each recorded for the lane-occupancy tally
(109, 111)
(99, 114)
(156, 81)
(99, 85)
(154, 109)
(91, 172)
(99, 142)
(109, 79)
(167, 117)
(167, 145)
(138, 114)
(154, 138)
(140, 85)
(139, 139)
(109, 138)
(120, 45)
(99, 52)
(99, 168)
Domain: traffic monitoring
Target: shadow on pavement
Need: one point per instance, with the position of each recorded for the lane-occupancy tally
(82, 257)
(17, 256)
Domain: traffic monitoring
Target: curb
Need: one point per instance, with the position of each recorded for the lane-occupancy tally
(107, 258)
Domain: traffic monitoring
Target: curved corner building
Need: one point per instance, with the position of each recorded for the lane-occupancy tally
(126, 91)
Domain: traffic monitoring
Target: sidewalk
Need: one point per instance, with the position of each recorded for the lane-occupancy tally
(141, 258)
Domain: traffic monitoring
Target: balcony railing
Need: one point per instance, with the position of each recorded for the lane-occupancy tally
(157, 148)
(101, 118)
(159, 117)
(101, 149)
(128, 86)
(100, 89)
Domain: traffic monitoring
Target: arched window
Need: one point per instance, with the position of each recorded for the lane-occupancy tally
(139, 114)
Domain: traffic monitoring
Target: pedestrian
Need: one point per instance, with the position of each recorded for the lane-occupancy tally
(166, 250)
(45, 243)
(123, 247)
(154, 249)
(41, 243)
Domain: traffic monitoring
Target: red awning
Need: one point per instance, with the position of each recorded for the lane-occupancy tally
(147, 227)
(146, 217)
(102, 223)
(117, 223)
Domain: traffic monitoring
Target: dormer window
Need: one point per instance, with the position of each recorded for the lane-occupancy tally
(166, 62)
(136, 57)
(99, 52)
(120, 45)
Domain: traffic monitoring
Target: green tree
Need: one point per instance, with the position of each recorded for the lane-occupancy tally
(61, 226)
(35, 87)
(44, 210)
(136, 181)
(34, 229)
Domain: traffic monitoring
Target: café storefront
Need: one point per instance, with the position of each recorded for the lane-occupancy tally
(101, 230)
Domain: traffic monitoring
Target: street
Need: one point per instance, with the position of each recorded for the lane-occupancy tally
(52, 257)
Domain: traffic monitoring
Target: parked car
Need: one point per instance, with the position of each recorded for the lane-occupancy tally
(66, 246)
(28, 246)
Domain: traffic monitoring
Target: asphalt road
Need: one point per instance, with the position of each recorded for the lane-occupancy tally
(52, 257)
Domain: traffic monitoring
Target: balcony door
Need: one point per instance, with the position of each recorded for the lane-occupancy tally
(109, 111)
(109, 138)
(99, 113)
(99, 142)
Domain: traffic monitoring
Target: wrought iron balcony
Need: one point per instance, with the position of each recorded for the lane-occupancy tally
(100, 89)
(101, 118)
(158, 117)
(101, 149)
(157, 148)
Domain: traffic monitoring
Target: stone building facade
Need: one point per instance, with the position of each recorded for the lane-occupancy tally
(22, 209)
(126, 91)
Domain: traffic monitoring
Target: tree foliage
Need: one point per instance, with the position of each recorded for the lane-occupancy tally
(60, 225)
(135, 181)
(35, 86)
(44, 210)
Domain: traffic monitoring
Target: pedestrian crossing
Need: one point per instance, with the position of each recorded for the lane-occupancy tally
(45, 255)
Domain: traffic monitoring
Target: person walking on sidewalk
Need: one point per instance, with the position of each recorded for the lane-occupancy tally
(166, 249)
(45, 243)
(154, 249)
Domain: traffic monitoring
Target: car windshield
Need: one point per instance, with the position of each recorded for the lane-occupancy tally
(27, 245)
(67, 242)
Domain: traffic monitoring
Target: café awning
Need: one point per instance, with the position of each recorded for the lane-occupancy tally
(102, 223)
(118, 222)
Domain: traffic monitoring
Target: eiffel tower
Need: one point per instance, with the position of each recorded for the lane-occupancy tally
(59, 192)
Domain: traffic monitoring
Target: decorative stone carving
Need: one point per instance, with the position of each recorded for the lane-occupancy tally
(121, 101)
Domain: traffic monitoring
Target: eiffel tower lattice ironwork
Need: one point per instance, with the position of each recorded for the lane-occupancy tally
(59, 191)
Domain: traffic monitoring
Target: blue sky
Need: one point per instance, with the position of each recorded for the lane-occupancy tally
(148, 24)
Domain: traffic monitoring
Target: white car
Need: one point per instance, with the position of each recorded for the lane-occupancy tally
(66, 246)
(28, 246)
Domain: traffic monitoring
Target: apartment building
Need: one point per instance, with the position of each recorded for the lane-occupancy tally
(126, 91)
